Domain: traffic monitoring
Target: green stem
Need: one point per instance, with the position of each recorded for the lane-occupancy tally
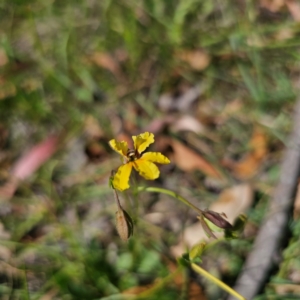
(218, 282)
(172, 194)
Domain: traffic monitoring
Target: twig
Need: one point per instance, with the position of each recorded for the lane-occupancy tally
(266, 248)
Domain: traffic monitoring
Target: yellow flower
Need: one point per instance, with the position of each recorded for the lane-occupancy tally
(143, 163)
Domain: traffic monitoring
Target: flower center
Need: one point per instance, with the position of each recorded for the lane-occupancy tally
(132, 155)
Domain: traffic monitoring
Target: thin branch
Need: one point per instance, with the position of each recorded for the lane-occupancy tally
(266, 249)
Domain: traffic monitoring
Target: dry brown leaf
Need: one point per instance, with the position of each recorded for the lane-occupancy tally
(197, 59)
(294, 9)
(232, 201)
(272, 5)
(246, 168)
(106, 61)
(297, 204)
(188, 160)
(195, 292)
(250, 164)
(284, 289)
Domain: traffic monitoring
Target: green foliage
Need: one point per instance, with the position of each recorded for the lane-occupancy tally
(51, 82)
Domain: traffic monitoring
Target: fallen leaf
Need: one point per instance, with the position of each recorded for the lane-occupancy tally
(284, 289)
(294, 9)
(28, 164)
(272, 5)
(197, 59)
(232, 201)
(106, 61)
(195, 292)
(34, 158)
(188, 160)
(251, 162)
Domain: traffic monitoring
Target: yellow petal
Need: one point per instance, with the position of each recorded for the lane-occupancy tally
(142, 141)
(147, 169)
(120, 147)
(155, 157)
(121, 178)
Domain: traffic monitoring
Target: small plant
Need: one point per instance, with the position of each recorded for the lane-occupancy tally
(143, 163)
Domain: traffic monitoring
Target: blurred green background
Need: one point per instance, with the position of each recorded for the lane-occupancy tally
(89, 71)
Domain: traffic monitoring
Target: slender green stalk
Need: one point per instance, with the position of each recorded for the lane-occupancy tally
(218, 282)
(186, 202)
(117, 199)
(172, 194)
(195, 267)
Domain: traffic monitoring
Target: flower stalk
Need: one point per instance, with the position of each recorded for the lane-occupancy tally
(211, 216)
(216, 281)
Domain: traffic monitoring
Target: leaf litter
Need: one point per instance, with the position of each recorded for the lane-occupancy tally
(181, 105)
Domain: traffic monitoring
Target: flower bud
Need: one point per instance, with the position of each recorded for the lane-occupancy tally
(217, 219)
(124, 224)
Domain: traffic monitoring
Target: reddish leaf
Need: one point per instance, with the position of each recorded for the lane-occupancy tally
(34, 158)
(28, 164)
